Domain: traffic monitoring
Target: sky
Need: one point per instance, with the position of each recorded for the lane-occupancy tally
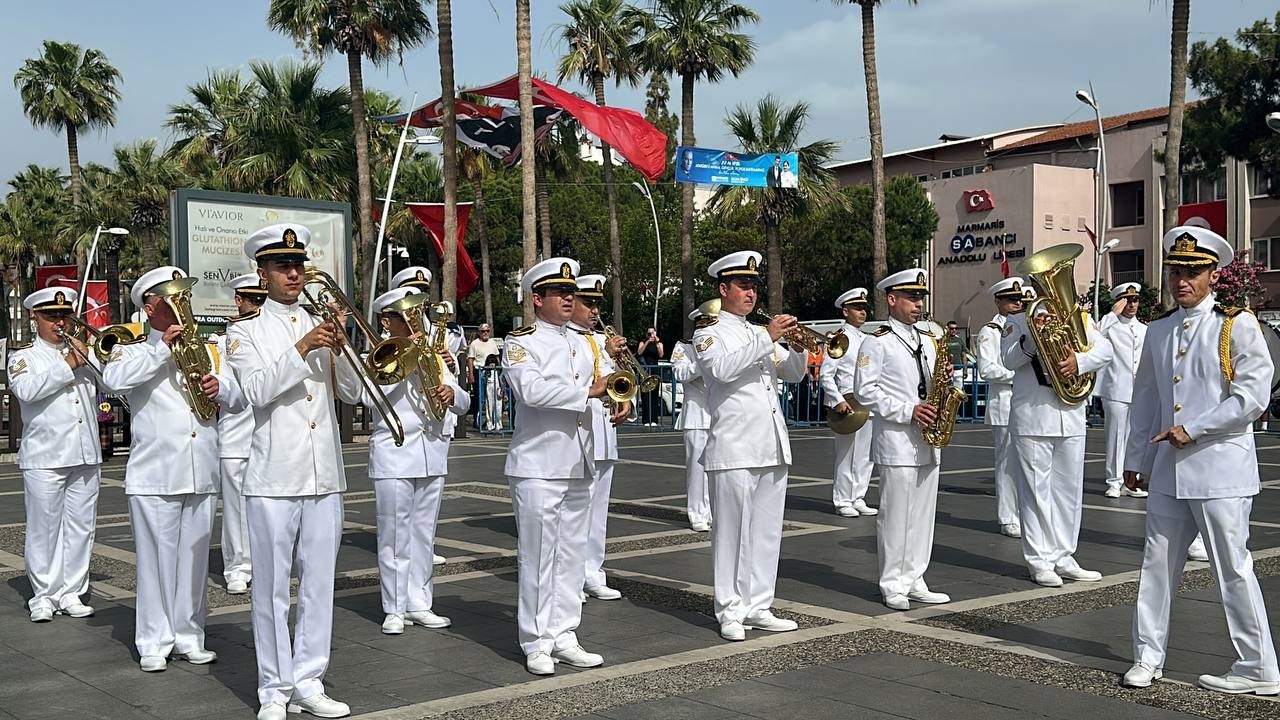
(966, 67)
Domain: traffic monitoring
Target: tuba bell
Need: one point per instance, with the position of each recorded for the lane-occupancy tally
(190, 353)
(1063, 334)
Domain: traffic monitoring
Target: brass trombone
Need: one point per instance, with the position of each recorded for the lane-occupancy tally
(101, 341)
(326, 303)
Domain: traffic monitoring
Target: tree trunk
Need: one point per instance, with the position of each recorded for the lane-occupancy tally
(687, 297)
(444, 35)
(879, 263)
(611, 196)
(368, 236)
(544, 211)
(148, 248)
(528, 159)
(73, 161)
(111, 269)
(1177, 104)
(4, 305)
(477, 223)
(773, 256)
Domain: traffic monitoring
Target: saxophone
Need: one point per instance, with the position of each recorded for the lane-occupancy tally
(189, 351)
(945, 399)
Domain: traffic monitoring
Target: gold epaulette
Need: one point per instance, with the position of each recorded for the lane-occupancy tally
(994, 326)
(1167, 313)
(1224, 339)
(526, 330)
(927, 332)
(581, 331)
(1229, 311)
(245, 316)
(706, 321)
(882, 330)
(23, 346)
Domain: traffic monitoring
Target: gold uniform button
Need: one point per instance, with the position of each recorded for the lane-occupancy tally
(308, 397)
(79, 420)
(1186, 324)
(77, 401)
(575, 376)
(1177, 408)
(193, 433)
(1182, 351)
(293, 318)
(1177, 379)
(313, 425)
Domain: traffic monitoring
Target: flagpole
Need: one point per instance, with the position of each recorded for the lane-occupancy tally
(386, 210)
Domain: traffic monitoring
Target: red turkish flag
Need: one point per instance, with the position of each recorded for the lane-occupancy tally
(978, 201)
(431, 216)
(96, 310)
(49, 275)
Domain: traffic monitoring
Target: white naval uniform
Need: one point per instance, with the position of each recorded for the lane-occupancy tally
(171, 481)
(605, 439)
(999, 381)
(694, 421)
(1207, 487)
(407, 484)
(454, 340)
(891, 365)
(549, 469)
(59, 457)
(293, 491)
(1048, 438)
(747, 458)
(853, 465)
(1115, 386)
(235, 428)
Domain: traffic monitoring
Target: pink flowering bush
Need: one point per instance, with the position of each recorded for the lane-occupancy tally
(1239, 286)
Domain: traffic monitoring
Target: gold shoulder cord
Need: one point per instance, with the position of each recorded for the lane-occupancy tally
(1224, 349)
(595, 359)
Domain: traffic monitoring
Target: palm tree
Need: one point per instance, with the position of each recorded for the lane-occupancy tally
(775, 127)
(204, 123)
(1177, 106)
(30, 220)
(697, 40)
(878, 245)
(524, 65)
(476, 166)
(449, 136)
(140, 185)
(375, 29)
(599, 38)
(557, 156)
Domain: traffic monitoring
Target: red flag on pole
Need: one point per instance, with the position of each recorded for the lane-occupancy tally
(431, 216)
(96, 310)
(1004, 263)
(50, 275)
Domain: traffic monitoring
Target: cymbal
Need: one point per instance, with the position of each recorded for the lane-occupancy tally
(848, 423)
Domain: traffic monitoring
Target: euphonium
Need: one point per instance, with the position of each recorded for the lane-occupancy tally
(431, 359)
(189, 350)
(396, 358)
(101, 341)
(811, 340)
(944, 398)
(1063, 334)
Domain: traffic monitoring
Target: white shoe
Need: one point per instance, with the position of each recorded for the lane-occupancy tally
(582, 596)
(1047, 578)
(1013, 530)
(768, 622)
(392, 625)
(928, 597)
(603, 592)
(77, 610)
(863, 508)
(700, 526)
(1136, 492)
(846, 511)
(320, 705)
(271, 711)
(1079, 574)
(540, 663)
(438, 559)
(1197, 551)
(153, 663)
(1141, 675)
(426, 619)
(237, 587)
(1236, 685)
(197, 657)
(577, 657)
(41, 615)
(1112, 491)
(733, 631)
(897, 602)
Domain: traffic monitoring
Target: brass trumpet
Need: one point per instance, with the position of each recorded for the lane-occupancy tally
(326, 303)
(836, 342)
(628, 363)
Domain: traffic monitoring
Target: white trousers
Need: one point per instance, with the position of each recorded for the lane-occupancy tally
(1224, 525)
(748, 505)
(235, 528)
(853, 467)
(551, 523)
(1005, 473)
(1050, 494)
(61, 505)
(904, 527)
(597, 524)
(699, 505)
(407, 510)
(1117, 435)
(171, 535)
(293, 670)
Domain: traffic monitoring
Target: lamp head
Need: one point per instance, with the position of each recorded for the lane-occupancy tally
(1084, 97)
(118, 231)
(1110, 244)
(1273, 121)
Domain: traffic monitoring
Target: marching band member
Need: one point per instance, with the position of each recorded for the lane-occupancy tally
(852, 474)
(748, 451)
(550, 466)
(235, 427)
(604, 430)
(1204, 377)
(284, 359)
(893, 380)
(1115, 381)
(59, 457)
(407, 484)
(171, 479)
(1009, 295)
(694, 421)
(1048, 440)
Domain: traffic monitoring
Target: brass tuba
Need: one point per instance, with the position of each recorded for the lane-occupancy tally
(189, 351)
(1064, 333)
(945, 398)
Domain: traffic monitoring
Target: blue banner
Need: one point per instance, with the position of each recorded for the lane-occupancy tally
(724, 167)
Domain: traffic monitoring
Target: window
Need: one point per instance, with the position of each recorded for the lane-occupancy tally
(962, 171)
(922, 178)
(1190, 189)
(1220, 186)
(1128, 204)
(1261, 181)
(1126, 267)
(1267, 252)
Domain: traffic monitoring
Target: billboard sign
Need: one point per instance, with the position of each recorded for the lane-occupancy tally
(725, 167)
(208, 231)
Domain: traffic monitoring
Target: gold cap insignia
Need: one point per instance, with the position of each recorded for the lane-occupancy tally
(1185, 243)
(1027, 295)
(59, 298)
(290, 237)
(920, 279)
(751, 263)
(599, 286)
(421, 276)
(177, 274)
(1016, 287)
(565, 270)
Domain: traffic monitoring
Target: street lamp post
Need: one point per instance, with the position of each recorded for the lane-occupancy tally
(657, 234)
(1097, 275)
(1100, 197)
(115, 235)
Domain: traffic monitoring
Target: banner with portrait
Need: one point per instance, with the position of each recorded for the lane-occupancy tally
(707, 166)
